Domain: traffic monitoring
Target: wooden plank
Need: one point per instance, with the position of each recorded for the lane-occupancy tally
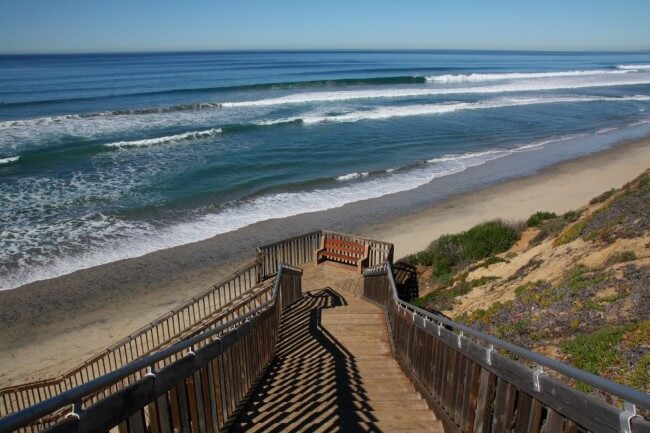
(522, 416)
(183, 407)
(484, 410)
(162, 411)
(469, 405)
(461, 383)
(535, 421)
(554, 422)
(153, 417)
(640, 425)
(192, 404)
(175, 410)
(211, 396)
(219, 391)
(504, 407)
(135, 422)
(570, 426)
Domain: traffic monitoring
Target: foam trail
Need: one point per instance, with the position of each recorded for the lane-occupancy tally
(478, 77)
(9, 160)
(301, 98)
(277, 121)
(430, 109)
(351, 176)
(633, 67)
(193, 135)
(605, 130)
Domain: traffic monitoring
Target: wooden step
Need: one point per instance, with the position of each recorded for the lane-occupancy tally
(334, 370)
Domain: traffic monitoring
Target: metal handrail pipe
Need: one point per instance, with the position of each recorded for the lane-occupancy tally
(626, 393)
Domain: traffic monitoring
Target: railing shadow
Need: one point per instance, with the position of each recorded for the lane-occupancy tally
(406, 280)
(313, 379)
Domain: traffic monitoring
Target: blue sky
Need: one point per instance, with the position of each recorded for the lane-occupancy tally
(61, 26)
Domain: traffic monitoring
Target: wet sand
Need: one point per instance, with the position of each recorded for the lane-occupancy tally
(48, 326)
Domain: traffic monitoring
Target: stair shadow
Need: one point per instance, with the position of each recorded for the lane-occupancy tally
(312, 380)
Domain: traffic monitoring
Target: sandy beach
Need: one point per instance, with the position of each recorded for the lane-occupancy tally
(559, 188)
(48, 326)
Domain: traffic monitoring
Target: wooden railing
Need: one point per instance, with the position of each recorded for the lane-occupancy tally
(473, 388)
(294, 251)
(226, 300)
(196, 385)
(300, 250)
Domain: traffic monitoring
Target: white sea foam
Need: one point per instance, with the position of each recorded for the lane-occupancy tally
(277, 121)
(192, 135)
(113, 239)
(521, 86)
(351, 176)
(633, 67)
(605, 130)
(387, 112)
(9, 160)
(477, 77)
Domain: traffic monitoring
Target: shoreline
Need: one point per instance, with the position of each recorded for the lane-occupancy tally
(87, 310)
(517, 199)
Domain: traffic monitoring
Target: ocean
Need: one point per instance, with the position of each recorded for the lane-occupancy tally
(110, 156)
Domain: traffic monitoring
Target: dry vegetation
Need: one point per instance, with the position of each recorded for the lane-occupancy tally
(575, 286)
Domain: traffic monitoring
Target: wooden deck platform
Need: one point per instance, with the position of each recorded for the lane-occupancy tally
(334, 370)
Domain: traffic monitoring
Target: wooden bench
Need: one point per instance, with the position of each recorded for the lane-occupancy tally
(346, 252)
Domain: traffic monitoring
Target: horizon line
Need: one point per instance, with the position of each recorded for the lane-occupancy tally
(308, 50)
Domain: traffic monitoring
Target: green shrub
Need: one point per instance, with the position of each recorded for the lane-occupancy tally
(572, 216)
(640, 377)
(538, 217)
(450, 252)
(595, 352)
(491, 261)
(444, 298)
(580, 277)
(603, 197)
(621, 256)
(571, 234)
(553, 226)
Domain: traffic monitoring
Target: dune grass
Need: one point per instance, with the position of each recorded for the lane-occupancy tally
(451, 252)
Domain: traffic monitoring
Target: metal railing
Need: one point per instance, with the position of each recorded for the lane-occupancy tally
(198, 382)
(478, 389)
(224, 297)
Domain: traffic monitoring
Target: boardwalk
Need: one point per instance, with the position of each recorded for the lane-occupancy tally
(334, 370)
(320, 348)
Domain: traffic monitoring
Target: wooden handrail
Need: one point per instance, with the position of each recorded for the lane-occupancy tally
(475, 389)
(145, 340)
(206, 381)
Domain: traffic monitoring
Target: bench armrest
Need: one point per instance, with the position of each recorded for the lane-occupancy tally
(320, 249)
(363, 260)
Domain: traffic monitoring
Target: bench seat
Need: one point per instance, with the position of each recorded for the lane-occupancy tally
(343, 251)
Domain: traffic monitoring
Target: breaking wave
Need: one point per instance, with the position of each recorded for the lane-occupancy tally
(633, 67)
(478, 77)
(524, 86)
(192, 135)
(9, 160)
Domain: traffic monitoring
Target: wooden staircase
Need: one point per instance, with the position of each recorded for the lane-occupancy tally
(334, 370)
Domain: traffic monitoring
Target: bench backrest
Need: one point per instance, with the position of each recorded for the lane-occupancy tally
(347, 247)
